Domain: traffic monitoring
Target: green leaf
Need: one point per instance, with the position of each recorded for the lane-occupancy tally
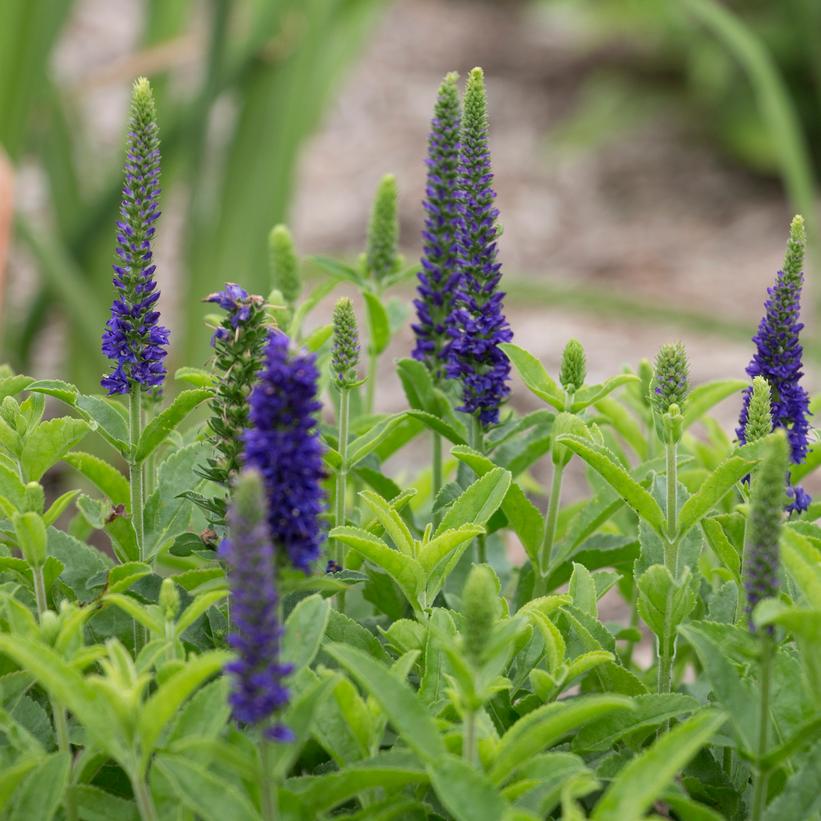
(624, 424)
(438, 425)
(339, 270)
(703, 397)
(722, 546)
(595, 393)
(478, 502)
(11, 487)
(803, 562)
(732, 693)
(465, 791)
(106, 477)
(392, 523)
(123, 576)
(198, 377)
(94, 804)
(651, 710)
(363, 445)
(136, 610)
(664, 602)
(534, 375)
(409, 717)
(546, 726)
(404, 570)
(645, 777)
(439, 548)
(64, 391)
(379, 327)
(48, 443)
(202, 602)
(582, 589)
(800, 797)
(304, 630)
(711, 491)
(40, 794)
(161, 425)
(617, 477)
(209, 796)
(81, 562)
(163, 704)
(13, 774)
(810, 464)
(111, 420)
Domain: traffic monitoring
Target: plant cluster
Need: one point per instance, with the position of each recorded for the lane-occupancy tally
(257, 620)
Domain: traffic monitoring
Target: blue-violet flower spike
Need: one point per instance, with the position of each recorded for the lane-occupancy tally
(258, 692)
(778, 359)
(440, 262)
(133, 340)
(283, 444)
(477, 323)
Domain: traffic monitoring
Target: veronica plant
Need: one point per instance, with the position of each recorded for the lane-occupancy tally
(151, 678)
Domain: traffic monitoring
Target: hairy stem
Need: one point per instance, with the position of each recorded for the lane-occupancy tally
(145, 803)
(477, 442)
(437, 475)
(761, 773)
(672, 496)
(469, 738)
(342, 473)
(135, 480)
(269, 791)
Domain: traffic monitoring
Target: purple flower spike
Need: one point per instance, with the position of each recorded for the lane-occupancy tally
(477, 323)
(133, 339)
(258, 692)
(778, 359)
(440, 260)
(283, 444)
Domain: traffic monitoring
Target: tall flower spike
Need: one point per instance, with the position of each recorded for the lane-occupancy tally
(345, 353)
(759, 416)
(477, 323)
(440, 262)
(258, 693)
(381, 257)
(767, 498)
(238, 344)
(778, 359)
(574, 366)
(284, 264)
(283, 444)
(133, 340)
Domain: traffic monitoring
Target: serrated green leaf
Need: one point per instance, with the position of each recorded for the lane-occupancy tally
(591, 394)
(663, 602)
(711, 491)
(64, 391)
(638, 784)
(534, 375)
(110, 417)
(304, 630)
(161, 425)
(80, 562)
(800, 797)
(48, 443)
(122, 576)
(198, 607)
(547, 725)
(619, 479)
(438, 425)
(478, 502)
(198, 377)
(203, 792)
(364, 445)
(803, 562)
(392, 523)
(106, 477)
(40, 794)
(94, 804)
(409, 717)
(582, 589)
(465, 791)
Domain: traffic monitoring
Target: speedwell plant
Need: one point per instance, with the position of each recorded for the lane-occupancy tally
(217, 603)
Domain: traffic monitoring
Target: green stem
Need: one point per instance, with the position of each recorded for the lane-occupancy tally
(477, 442)
(551, 519)
(342, 472)
(761, 773)
(469, 739)
(269, 792)
(135, 479)
(370, 387)
(145, 803)
(39, 590)
(671, 545)
(437, 475)
(666, 654)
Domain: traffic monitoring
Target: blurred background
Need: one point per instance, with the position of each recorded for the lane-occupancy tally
(648, 156)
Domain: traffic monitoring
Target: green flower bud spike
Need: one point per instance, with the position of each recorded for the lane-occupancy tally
(284, 263)
(169, 599)
(480, 606)
(574, 366)
(759, 414)
(670, 384)
(381, 258)
(796, 246)
(345, 354)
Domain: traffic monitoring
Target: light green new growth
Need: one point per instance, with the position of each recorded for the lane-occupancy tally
(574, 366)
(759, 412)
(479, 607)
(382, 258)
(284, 264)
(143, 108)
(670, 384)
(345, 352)
(796, 244)
(474, 118)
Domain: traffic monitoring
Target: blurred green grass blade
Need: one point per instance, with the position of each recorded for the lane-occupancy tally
(774, 102)
(28, 29)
